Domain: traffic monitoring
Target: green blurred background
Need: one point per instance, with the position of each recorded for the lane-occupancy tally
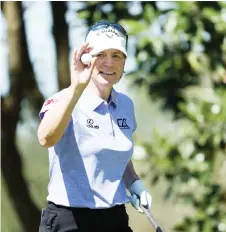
(176, 76)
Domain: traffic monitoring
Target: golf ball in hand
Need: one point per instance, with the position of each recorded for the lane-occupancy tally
(86, 58)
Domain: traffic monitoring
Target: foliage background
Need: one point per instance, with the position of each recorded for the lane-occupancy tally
(178, 87)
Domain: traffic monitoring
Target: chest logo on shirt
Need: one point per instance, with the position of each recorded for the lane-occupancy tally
(122, 123)
(90, 123)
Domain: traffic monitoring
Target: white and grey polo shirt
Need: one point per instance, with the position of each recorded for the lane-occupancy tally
(87, 164)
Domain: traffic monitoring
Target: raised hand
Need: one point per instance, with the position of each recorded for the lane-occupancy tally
(81, 73)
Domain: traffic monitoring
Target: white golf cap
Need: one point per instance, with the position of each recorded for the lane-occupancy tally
(106, 38)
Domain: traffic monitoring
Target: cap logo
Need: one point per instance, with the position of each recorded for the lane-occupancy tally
(109, 36)
(110, 32)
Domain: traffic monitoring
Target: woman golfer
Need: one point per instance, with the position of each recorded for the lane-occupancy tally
(88, 129)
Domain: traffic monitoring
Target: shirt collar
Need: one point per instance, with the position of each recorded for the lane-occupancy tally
(113, 98)
(92, 101)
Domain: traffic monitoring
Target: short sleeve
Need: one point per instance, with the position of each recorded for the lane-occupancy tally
(48, 104)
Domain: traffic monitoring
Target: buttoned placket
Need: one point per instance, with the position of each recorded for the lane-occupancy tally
(112, 125)
(111, 120)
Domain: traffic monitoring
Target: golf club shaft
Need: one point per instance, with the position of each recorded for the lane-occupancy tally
(152, 220)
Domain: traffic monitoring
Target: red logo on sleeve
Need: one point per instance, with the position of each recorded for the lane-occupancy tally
(50, 101)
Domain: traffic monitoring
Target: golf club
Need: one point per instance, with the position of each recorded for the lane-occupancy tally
(152, 220)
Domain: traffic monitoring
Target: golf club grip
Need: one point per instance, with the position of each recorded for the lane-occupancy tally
(158, 229)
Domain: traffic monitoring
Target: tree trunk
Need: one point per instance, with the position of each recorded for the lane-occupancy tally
(60, 33)
(21, 76)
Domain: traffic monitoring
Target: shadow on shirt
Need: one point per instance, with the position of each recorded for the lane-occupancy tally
(98, 181)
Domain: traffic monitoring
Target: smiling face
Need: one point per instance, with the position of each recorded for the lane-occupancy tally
(108, 68)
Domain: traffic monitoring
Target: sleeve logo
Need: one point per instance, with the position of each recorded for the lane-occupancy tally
(50, 101)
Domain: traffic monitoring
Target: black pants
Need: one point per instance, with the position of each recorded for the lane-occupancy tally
(57, 218)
